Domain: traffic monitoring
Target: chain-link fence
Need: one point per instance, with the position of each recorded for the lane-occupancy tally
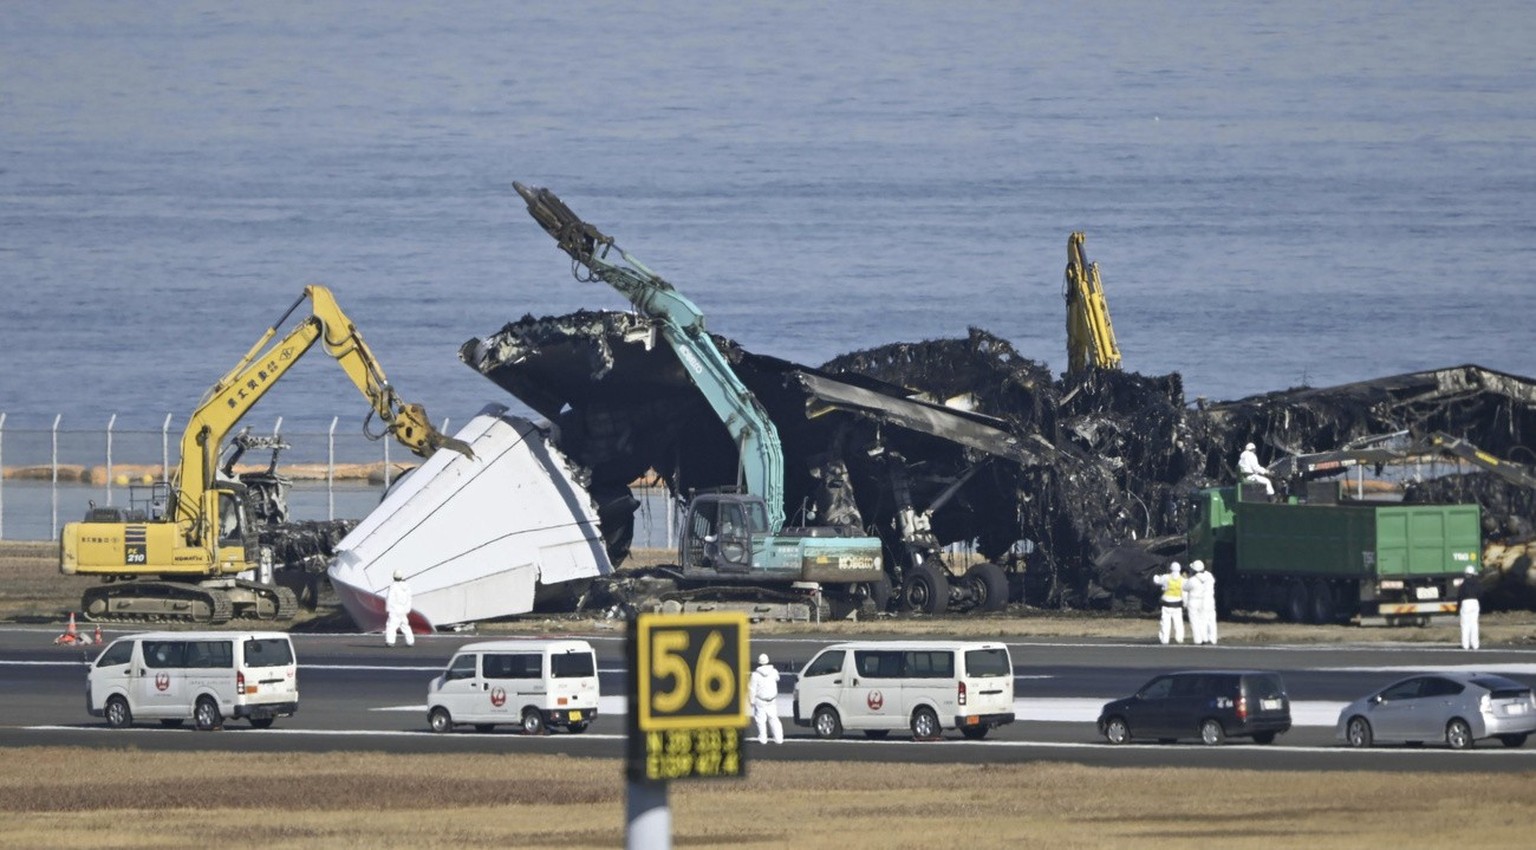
(53, 475)
(50, 476)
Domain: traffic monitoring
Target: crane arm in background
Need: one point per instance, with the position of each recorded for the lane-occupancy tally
(681, 323)
(1090, 336)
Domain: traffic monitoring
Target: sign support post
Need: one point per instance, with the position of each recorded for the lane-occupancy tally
(687, 710)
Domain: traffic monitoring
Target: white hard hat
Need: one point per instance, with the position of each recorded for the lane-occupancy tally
(1248, 447)
(399, 576)
(1471, 570)
(762, 659)
(1197, 566)
(1174, 567)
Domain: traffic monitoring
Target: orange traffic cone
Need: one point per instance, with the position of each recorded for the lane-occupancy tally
(70, 634)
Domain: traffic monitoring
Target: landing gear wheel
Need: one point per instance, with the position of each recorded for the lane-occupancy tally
(990, 585)
(826, 723)
(207, 715)
(926, 590)
(439, 720)
(118, 713)
(1358, 733)
(1459, 735)
(1211, 733)
(1116, 732)
(925, 724)
(533, 722)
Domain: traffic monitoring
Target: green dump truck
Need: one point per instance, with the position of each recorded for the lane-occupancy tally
(1319, 560)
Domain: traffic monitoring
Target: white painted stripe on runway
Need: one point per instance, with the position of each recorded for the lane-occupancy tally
(1482, 752)
(1054, 710)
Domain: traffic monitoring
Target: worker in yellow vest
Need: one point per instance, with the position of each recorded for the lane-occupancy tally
(1173, 597)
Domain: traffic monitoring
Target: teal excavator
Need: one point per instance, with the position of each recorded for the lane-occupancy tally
(736, 538)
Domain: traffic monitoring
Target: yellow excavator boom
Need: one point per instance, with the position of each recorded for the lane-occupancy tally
(1090, 336)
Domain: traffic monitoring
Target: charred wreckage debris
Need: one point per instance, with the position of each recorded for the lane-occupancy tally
(964, 441)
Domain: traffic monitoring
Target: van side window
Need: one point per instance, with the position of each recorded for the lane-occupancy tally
(163, 654)
(878, 663)
(987, 662)
(210, 653)
(1157, 688)
(462, 667)
(1197, 685)
(117, 653)
(829, 663)
(268, 652)
(509, 666)
(931, 664)
(572, 665)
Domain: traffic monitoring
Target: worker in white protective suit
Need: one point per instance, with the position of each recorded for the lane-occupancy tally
(1201, 590)
(1172, 622)
(397, 611)
(765, 701)
(1470, 606)
(1252, 471)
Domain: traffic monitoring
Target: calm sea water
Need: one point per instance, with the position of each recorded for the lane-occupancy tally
(1277, 193)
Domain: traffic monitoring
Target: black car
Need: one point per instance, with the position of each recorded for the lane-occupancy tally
(1212, 705)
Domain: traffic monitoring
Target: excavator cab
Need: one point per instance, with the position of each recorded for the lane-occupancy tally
(719, 530)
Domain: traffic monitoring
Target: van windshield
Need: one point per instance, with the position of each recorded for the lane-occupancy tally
(988, 662)
(268, 652)
(571, 665)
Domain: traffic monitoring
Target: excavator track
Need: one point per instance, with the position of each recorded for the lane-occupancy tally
(265, 601)
(156, 602)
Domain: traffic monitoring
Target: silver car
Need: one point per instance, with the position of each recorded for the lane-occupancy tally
(1457, 708)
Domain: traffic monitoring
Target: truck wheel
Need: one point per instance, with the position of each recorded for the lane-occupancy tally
(826, 723)
(926, 590)
(990, 584)
(533, 722)
(1323, 612)
(118, 713)
(1296, 602)
(439, 720)
(206, 714)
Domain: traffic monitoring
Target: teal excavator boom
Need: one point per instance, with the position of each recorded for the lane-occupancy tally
(682, 325)
(727, 539)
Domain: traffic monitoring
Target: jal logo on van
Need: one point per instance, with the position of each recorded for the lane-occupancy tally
(498, 697)
(875, 700)
(162, 681)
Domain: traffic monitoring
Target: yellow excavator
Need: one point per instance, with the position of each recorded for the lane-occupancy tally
(1090, 336)
(191, 553)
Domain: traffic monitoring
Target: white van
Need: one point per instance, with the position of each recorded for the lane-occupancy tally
(205, 676)
(535, 684)
(925, 686)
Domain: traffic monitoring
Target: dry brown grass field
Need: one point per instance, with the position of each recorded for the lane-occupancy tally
(77, 798)
(127, 798)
